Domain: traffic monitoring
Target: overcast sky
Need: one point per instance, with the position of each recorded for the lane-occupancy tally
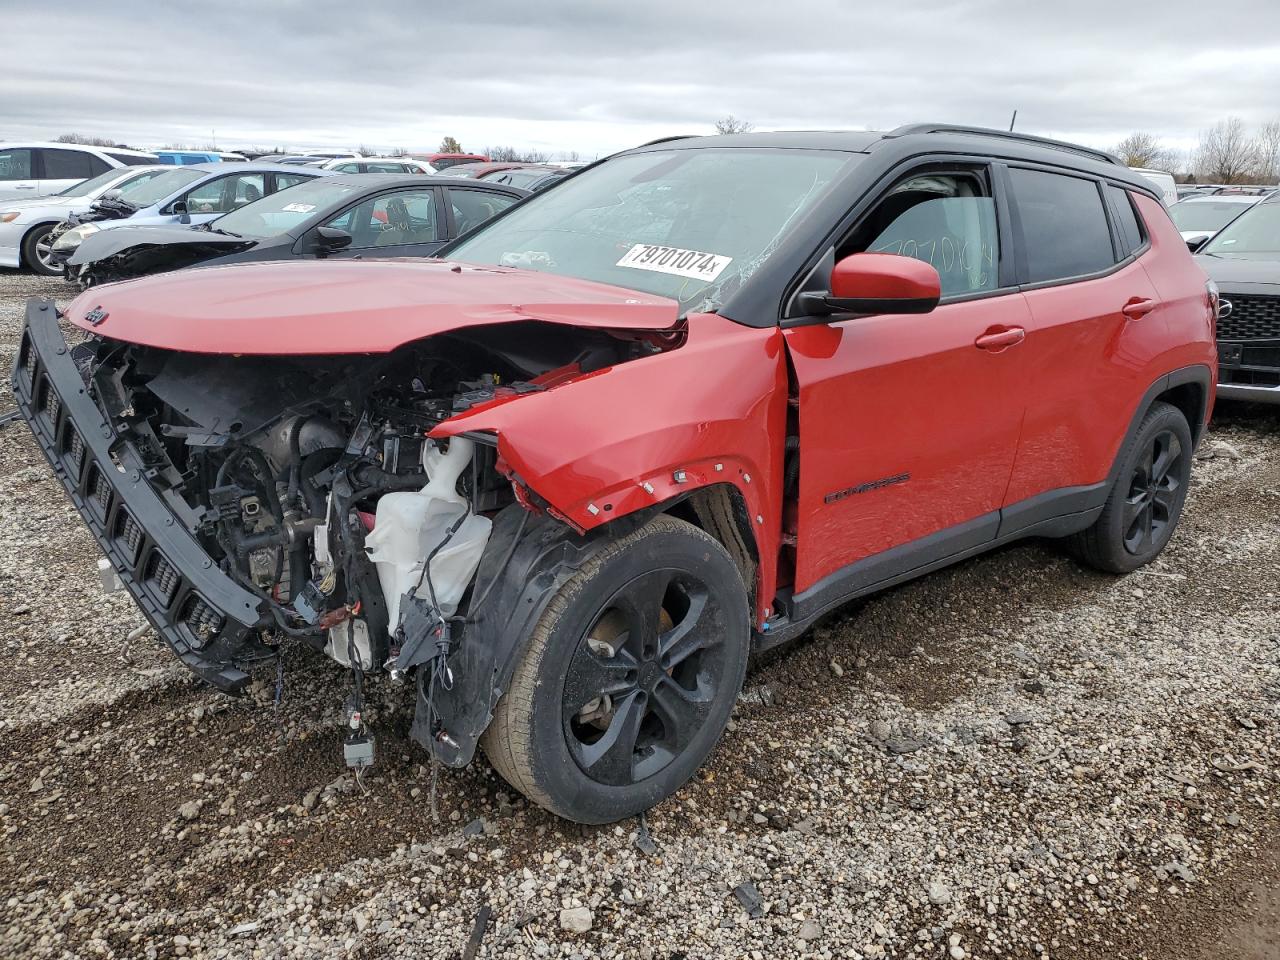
(596, 77)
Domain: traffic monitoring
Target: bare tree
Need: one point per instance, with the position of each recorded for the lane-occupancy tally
(1267, 147)
(450, 145)
(502, 154)
(401, 152)
(1144, 150)
(512, 155)
(1225, 154)
(366, 151)
(87, 141)
(732, 124)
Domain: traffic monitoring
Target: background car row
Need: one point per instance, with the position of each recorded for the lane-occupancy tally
(341, 215)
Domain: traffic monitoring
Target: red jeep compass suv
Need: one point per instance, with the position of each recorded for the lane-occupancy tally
(567, 479)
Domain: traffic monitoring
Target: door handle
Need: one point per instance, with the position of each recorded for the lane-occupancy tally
(1138, 307)
(1000, 338)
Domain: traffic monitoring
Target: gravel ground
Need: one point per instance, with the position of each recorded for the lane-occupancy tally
(1015, 757)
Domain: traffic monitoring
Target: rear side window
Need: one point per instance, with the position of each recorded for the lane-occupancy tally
(1064, 227)
(129, 160)
(72, 165)
(286, 180)
(1131, 238)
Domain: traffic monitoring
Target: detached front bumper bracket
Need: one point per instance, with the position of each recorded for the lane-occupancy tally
(208, 619)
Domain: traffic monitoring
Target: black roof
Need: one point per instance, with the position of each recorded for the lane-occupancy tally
(374, 181)
(925, 138)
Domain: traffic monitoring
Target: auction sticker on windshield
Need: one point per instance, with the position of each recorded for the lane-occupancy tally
(683, 263)
(298, 207)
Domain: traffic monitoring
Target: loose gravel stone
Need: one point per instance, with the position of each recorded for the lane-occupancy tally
(1135, 785)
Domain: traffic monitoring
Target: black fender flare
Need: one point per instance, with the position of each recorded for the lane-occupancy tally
(544, 554)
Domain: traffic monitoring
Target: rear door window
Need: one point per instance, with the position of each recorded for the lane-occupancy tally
(72, 164)
(473, 207)
(1064, 227)
(286, 180)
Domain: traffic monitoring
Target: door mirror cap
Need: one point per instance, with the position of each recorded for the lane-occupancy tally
(877, 283)
(180, 209)
(1194, 243)
(331, 239)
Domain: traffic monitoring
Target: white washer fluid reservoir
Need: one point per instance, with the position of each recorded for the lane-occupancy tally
(409, 526)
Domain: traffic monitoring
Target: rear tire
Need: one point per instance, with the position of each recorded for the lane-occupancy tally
(627, 681)
(36, 250)
(1146, 502)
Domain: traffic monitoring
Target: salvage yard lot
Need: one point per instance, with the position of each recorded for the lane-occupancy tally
(1015, 757)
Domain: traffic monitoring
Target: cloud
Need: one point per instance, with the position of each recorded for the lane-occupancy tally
(596, 77)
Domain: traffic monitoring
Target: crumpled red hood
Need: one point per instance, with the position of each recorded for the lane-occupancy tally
(348, 306)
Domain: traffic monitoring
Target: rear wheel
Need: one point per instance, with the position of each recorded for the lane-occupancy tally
(628, 679)
(1146, 502)
(37, 251)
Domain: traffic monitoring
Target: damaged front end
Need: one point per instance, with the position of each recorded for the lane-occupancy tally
(129, 252)
(245, 499)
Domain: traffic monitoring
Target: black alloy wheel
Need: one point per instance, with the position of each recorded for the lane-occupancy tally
(1154, 493)
(641, 684)
(626, 682)
(1151, 479)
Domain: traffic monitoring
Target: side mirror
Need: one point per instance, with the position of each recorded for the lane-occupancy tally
(330, 240)
(1199, 240)
(876, 283)
(180, 208)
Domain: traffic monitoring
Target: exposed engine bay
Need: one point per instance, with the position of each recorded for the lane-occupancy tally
(311, 482)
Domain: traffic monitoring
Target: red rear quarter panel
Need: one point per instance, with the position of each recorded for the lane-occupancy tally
(1192, 328)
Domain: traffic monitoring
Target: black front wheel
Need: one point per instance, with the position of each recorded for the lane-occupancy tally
(628, 679)
(1147, 498)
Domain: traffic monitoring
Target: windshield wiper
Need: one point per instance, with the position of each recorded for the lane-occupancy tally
(225, 233)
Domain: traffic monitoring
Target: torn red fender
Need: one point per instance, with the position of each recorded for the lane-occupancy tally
(617, 440)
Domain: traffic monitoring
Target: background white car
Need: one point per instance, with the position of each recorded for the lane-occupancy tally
(25, 224)
(375, 165)
(1199, 218)
(41, 169)
(1164, 182)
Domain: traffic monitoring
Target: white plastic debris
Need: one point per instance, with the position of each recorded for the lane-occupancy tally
(409, 527)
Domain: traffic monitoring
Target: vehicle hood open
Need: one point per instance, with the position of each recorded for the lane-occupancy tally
(108, 243)
(348, 306)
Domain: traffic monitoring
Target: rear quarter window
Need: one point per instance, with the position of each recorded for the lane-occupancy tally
(1127, 225)
(129, 160)
(1064, 226)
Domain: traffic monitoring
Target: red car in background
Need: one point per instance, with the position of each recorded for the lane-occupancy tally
(636, 428)
(442, 161)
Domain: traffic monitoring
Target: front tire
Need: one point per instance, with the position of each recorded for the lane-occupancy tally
(627, 681)
(1146, 502)
(36, 251)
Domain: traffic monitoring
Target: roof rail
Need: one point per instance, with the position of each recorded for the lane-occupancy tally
(913, 128)
(678, 136)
